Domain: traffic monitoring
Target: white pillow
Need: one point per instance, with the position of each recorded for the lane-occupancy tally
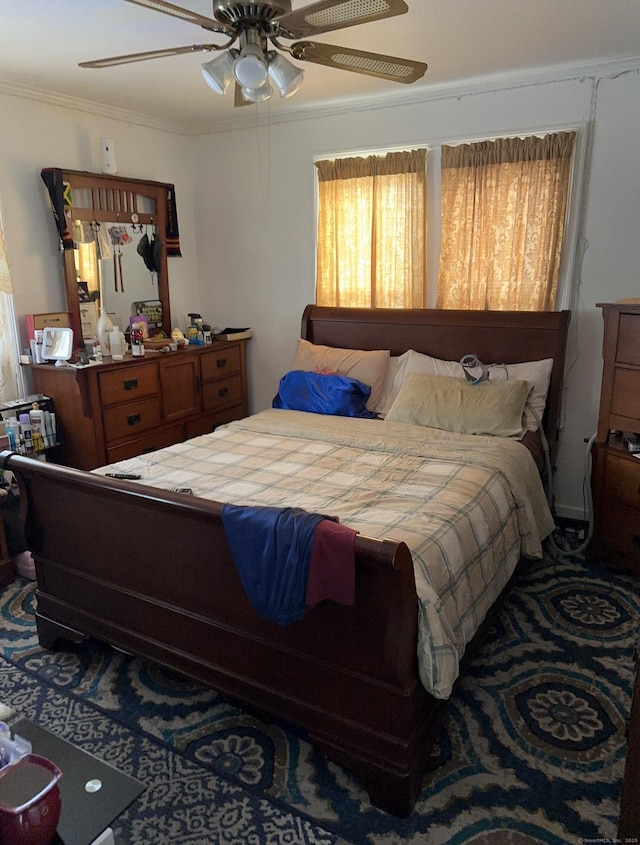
(369, 367)
(537, 373)
(396, 362)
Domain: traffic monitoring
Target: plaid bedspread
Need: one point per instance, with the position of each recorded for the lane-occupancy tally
(468, 507)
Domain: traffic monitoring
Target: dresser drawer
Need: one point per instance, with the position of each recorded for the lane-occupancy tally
(128, 384)
(625, 397)
(618, 529)
(158, 439)
(628, 350)
(206, 423)
(220, 363)
(128, 420)
(621, 482)
(219, 394)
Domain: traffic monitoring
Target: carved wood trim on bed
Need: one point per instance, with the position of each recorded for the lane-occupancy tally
(151, 572)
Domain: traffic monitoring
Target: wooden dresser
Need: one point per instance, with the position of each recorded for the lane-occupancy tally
(119, 409)
(615, 475)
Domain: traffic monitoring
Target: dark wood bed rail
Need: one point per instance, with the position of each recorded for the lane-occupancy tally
(137, 579)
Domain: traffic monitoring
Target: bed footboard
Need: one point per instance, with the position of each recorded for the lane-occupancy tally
(153, 575)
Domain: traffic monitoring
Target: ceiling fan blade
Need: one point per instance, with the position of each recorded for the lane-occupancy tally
(183, 14)
(359, 61)
(327, 15)
(152, 54)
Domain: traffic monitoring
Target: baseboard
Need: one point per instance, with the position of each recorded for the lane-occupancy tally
(571, 513)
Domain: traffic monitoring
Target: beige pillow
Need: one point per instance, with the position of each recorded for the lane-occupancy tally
(369, 367)
(537, 373)
(452, 404)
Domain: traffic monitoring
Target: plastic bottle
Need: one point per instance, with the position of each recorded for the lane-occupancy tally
(115, 344)
(12, 430)
(37, 427)
(103, 327)
(26, 432)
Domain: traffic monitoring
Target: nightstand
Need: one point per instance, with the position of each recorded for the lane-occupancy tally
(615, 476)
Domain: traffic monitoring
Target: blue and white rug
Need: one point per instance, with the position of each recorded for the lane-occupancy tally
(532, 751)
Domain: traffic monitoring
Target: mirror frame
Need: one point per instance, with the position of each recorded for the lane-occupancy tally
(113, 200)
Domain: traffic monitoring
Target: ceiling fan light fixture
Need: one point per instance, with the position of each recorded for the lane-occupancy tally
(259, 94)
(250, 68)
(218, 73)
(285, 75)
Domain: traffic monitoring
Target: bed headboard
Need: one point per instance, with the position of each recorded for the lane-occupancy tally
(509, 337)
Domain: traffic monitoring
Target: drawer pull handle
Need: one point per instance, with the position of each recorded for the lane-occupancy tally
(130, 384)
(224, 391)
(221, 362)
(133, 419)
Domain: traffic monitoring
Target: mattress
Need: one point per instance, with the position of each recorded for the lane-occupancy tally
(468, 507)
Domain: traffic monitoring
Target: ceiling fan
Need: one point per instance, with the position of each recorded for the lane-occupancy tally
(253, 27)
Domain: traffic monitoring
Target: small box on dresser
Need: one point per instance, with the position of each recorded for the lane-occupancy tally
(615, 474)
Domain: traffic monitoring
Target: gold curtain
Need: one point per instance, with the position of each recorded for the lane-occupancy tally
(371, 231)
(8, 341)
(5, 275)
(503, 208)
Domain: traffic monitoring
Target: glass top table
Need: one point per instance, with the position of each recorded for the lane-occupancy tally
(92, 792)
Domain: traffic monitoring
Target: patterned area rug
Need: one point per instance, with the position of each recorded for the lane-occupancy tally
(532, 751)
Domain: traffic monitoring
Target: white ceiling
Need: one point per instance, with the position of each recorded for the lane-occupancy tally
(42, 41)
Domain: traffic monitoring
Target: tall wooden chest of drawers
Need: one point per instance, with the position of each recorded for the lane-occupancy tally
(120, 409)
(615, 470)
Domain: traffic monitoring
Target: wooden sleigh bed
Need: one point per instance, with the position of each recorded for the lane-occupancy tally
(150, 571)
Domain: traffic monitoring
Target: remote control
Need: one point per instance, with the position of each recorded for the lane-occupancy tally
(128, 475)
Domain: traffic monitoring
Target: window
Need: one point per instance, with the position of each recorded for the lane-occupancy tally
(371, 231)
(502, 208)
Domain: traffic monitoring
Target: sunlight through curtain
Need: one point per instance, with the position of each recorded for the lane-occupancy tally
(371, 231)
(8, 341)
(87, 263)
(503, 216)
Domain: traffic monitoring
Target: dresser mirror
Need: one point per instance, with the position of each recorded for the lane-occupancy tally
(114, 248)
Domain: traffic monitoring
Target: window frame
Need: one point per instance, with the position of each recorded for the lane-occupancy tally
(569, 275)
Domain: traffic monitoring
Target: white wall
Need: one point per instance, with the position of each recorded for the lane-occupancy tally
(246, 212)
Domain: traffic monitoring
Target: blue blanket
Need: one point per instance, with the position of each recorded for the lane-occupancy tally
(323, 393)
(271, 548)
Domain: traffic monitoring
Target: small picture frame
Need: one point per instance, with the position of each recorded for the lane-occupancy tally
(142, 321)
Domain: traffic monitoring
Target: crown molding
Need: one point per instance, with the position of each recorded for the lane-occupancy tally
(490, 83)
(289, 113)
(54, 98)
